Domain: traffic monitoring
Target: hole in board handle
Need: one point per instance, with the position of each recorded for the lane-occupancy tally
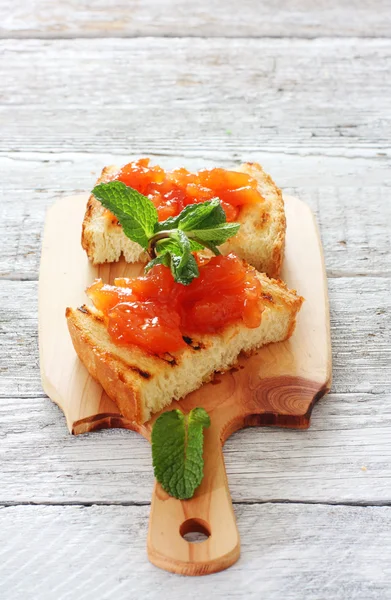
(195, 530)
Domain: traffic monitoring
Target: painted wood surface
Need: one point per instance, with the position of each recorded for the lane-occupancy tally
(290, 551)
(316, 114)
(344, 458)
(198, 97)
(94, 18)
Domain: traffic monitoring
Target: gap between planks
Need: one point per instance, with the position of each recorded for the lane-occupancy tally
(26, 35)
(330, 275)
(358, 504)
(69, 156)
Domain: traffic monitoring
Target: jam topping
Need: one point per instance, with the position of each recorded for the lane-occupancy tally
(171, 191)
(156, 314)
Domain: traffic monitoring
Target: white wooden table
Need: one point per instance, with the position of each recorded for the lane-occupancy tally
(302, 87)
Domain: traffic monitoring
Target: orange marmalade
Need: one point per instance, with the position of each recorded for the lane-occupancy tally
(171, 191)
(159, 315)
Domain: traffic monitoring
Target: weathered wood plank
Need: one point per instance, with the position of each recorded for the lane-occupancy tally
(349, 196)
(288, 551)
(343, 457)
(360, 328)
(90, 18)
(73, 172)
(350, 430)
(196, 96)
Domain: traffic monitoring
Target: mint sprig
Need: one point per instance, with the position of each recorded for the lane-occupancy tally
(177, 448)
(136, 216)
(170, 242)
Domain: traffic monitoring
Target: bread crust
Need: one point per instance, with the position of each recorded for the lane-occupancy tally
(102, 236)
(141, 383)
(261, 237)
(105, 368)
(260, 240)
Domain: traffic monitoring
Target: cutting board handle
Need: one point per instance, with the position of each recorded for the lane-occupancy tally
(209, 512)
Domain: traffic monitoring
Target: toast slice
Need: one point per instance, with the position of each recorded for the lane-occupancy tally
(260, 240)
(142, 384)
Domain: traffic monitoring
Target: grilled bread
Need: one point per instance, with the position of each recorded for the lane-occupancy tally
(260, 240)
(142, 384)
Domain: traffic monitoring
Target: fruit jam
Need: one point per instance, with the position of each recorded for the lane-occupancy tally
(157, 314)
(171, 191)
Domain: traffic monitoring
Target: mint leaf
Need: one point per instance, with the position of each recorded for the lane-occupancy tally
(210, 246)
(206, 215)
(216, 235)
(171, 245)
(183, 264)
(177, 448)
(196, 216)
(135, 212)
(175, 252)
(184, 271)
(196, 246)
(164, 259)
(204, 224)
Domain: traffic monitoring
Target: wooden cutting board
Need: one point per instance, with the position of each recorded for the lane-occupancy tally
(278, 386)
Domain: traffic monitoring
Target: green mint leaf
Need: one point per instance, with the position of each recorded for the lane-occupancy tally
(171, 245)
(206, 215)
(184, 271)
(164, 259)
(175, 252)
(196, 246)
(135, 212)
(173, 222)
(215, 235)
(183, 264)
(196, 216)
(210, 246)
(177, 448)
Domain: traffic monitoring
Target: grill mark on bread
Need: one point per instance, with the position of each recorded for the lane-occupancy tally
(268, 298)
(195, 345)
(169, 359)
(96, 316)
(144, 374)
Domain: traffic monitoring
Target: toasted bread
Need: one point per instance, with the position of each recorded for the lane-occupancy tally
(260, 240)
(142, 384)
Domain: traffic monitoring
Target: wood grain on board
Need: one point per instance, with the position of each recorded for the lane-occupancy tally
(278, 386)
